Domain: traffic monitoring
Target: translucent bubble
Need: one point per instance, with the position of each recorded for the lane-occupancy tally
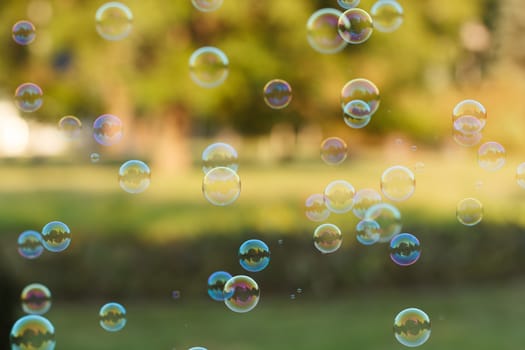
(114, 21)
(219, 154)
(107, 129)
(333, 151)
(412, 327)
(36, 299)
(466, 140)
(491, 156)
(322, 31)
(254, 255)
(360, 89)
(207, 6)
(357, 109)
(368, 232)
(473, 109)
(95, 157)
(208, 67)
(28, 97)
(70, 126)
(339, 196)
(216, 283)
(175, 294)
(364, 199)
(56, 236)
(327, 238)
(221, 186)
(134, 176)
(24, 32)
(348, 4)
(469, 211)
(355, 26)
(243, 293)
(32, 332)
(112, 317)
(277, 94)
(389, 219)
(315, 208)
(405, 249)
(30, 244)
(387, 15)
(398, 183)
(520, 175)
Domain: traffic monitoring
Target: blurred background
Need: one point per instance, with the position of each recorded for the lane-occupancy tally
(153, 251)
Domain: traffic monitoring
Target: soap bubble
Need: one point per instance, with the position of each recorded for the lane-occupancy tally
(30, 244)
(36, 299)
(32, 332)
(315, 208)
(207, 5)
(134, 176)
(175, 294)
(95, 157)
(389, 219)
(339, 196)
(56, 236)
(219, 154)
(333, 150)
(221, 186)
(387, 15)
(254, 255)
(364, 199)
(412, 327)
(398, 183)
(243, 293)
(363, 90)
(277, 93)
(473, 109)
(28, 97)
(520, 175)
(114, 21)
(327, 238)
(348, 4)
(107, 129)
(70, 126)
(491, 156)
(112, 317)
(322, 31)
(208, 66)
(405, 249)
(367, 232)
(24, 32)
(216, 283)
(355, 26)
(469, 211)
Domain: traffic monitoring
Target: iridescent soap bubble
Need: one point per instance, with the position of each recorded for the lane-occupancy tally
(364, 199)
(208, 66)
(471, 108)
(363, 90)
(520, 175)
(357, 109)
(216, 283)
(466, 140)
(348, 4)
(405, 249)
(412, 327)
(134, 176)
(322, 31)
(277, 93)
(32, 332)
(207, 5)
(398, 183)
(339, 196)
(368, 232)
(254, 255)
(327, 238)
(491, 156)
(389, 219)
(36, 299)
(114, 21)
(24, 32)
(333, 150)
(221, 186)
(387, 15)
(94, 157)
(56, 236)
(355, 26)
(107, 129)
(242, 293)
(469, 211)
(70, 126)
(219, 154)
(30, 244)
(315, 208)
(28, 97)
(112, 317)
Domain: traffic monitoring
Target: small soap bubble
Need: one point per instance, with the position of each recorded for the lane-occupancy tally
(243, 293)
(322, 33)
(24, 32)
(469, 211)
(254, 255)
(207, 6)
(32, 332)
(355, 26)
(112, 317)
(216, 283)
(491, 156)
(277, 93)
(364, 199)
(327, 238)
(208, 66)
(363, 90)
(339, 196)
(280, 242)
(293, 296)
(56, 236)
(30, 244)
(175, 294)
(520, 175)
(221, 186)
(70, 126)
(28, 97)
(412, 327)
(405, 249)
(333, 150)
(134, 176)
(387, 15)
(398, 183)
(315, 208)
(473, 109)
(299, 291)
(36, 299)
(114, 21)
(389, 219)
(107, 129)
(94, 157)
(368, 232)
(219, 154)
(348, 4)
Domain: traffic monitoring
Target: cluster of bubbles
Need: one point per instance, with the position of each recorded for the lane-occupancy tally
(54, 237)
(112, 317)
(360, 99)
